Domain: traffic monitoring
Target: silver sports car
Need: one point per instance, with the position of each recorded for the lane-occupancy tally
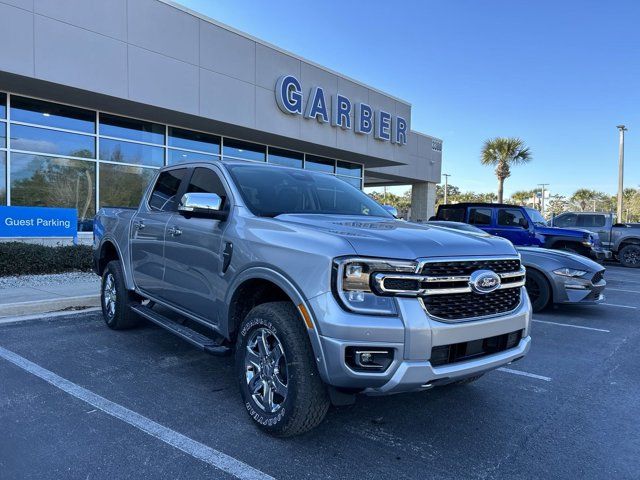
(553, 276)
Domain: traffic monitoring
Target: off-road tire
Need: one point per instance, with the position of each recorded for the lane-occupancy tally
(629, 256)
(122, 317)
(538, 289)
(307, 400)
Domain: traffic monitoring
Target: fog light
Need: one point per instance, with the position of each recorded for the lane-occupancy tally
(513, 339)
(365, 358)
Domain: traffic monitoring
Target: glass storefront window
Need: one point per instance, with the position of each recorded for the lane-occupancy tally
(3, 105)
(356, 182)
(193, 140)
(349, 169)
(3, 178)
(244, 150)
(182, 156)
(123, 186)
(319, 164)
(43, 181)
(42, 140)
(285, 158)
(127, 152)
(50, 114)
(3, 134)
(131, 129)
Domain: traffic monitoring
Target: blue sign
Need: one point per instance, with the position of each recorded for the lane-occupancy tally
(384, 126)
(38, 222)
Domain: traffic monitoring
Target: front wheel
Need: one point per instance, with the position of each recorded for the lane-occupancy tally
(629, 256)
(538, 289)
(116, 299)
(279, 381)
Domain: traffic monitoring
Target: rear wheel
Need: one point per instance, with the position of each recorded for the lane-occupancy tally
(116, 299)
(629, 256)
(538, 289)
(279, 381)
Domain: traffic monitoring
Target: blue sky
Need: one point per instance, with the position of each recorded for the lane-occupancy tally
(559, 74)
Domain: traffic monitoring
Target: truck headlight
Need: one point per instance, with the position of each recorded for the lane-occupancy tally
(569, 272)
(587, 240)
(352, 280)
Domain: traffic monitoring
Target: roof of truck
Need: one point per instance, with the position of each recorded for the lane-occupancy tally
(480, 204)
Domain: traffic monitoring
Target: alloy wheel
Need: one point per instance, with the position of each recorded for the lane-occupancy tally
(109, 295)
(266, 370)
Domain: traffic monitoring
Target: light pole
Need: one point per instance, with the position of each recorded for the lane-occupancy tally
(622, 129)
(446, 186)
(542, 199)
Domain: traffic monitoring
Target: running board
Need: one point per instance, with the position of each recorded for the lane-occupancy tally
(203, 342)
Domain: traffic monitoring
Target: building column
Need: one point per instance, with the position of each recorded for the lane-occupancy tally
(423, 201)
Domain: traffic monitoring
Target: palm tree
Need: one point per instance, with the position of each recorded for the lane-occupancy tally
(503, 153)
(583, 198)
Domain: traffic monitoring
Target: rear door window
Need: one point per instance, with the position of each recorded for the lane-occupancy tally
(567, 220)
(165, 192)
(591, 221)
(480, 216)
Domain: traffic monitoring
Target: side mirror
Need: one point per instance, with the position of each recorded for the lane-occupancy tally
(391, 209)
(523, 223)
(206, 205)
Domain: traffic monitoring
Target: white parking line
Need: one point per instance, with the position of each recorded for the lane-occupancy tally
(616, 305)
(622, 290)
(44, 316)
(524, 374)
(189, 446)
(573, 326)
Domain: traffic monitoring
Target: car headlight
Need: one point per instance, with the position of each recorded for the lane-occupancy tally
(569, 272)
(353, 279)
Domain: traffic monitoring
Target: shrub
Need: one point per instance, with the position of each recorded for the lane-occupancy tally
(18, 258)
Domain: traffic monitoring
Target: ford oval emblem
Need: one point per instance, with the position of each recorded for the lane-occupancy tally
(484, 281)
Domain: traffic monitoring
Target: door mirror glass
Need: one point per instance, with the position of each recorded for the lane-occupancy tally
(391, 209)
(202, 205)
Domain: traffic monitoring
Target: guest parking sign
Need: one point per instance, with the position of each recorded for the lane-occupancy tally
(25, 222)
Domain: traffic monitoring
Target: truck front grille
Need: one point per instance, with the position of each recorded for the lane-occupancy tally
(457, 268)
(459, 352)
(458, 306)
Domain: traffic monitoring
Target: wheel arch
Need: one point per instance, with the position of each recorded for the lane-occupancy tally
(552, 285)
(261, 285)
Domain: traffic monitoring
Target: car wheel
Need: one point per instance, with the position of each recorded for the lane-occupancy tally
(629, 256)
(538, 289)
(279, 381)
(116, 299)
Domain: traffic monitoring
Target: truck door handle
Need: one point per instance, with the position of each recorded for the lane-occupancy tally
(139, 225)
(174, 231)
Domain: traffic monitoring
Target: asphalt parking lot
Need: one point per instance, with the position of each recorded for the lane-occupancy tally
(80, 401)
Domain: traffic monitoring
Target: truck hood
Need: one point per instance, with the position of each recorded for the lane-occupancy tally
(381, 237)
(564, 232)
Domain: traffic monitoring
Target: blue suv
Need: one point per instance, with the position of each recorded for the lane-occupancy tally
(522, 226)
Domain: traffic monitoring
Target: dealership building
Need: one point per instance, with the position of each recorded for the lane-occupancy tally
(94, 96)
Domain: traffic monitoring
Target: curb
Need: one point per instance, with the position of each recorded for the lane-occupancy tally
(48, 305)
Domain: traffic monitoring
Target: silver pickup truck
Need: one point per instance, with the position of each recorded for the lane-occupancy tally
(622, 240)
(320, 292)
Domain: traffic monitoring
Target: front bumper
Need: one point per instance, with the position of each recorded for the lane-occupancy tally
(578, 290)
(412, 335)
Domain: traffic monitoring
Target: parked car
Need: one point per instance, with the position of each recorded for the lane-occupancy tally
(523, 226)
(621, 239)
(320, 291)
(553, 276)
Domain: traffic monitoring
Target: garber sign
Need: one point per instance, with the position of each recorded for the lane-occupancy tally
(384, 126)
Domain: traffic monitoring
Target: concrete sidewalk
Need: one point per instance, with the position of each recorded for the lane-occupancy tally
(31, 294)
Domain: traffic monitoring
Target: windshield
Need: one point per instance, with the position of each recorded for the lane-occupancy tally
(536, 217)
(272, 191)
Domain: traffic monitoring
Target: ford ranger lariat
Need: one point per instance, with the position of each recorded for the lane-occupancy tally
(321, 293)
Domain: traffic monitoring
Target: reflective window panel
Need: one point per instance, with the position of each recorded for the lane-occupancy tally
(50, 114)
(286, 158)
(127, 152)
(356, 182)
(350, 169)
(3, 105)
(122, 185)
(244, 150)
(131, 129)
(42, 181)
(319, 164)
(182, 156)
(193, 140)
(3, 178)
(43, 140)
(3, 134)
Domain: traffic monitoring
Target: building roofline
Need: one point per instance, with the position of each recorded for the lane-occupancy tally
(208, 19)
